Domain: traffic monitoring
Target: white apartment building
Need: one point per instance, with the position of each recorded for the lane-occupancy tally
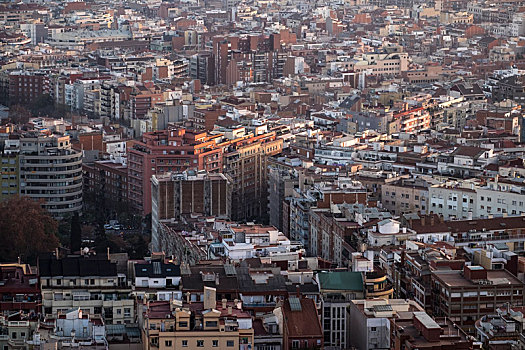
(90, 284)
(500, 197)
(469, 199)
(453, 200)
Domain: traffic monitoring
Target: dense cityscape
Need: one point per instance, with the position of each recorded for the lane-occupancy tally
(262, 174)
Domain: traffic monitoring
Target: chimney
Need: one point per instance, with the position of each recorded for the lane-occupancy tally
(298, 291)
(210, 301)
(423, 219)
(224, 301)
(441, 218)
(230, 310)
(432, 220)
(108, 253)
(188, 299)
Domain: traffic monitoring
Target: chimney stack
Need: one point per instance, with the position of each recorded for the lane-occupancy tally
(423, 219)
(210, 299)
(432, 220)
(224, 301)
(230, 310)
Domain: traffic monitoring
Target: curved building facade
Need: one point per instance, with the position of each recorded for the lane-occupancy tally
(51, 171)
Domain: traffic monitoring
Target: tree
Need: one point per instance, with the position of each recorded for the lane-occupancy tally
(19, 114)
(101, 239)
(75, 237)
(26, 230)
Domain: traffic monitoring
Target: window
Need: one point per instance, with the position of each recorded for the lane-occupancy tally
(215, 343)
(184, 343)
(200, 343)
(230, 343)
(211, 324)
(295, 344)
(373, 329)
(183, 324)
(167, 343)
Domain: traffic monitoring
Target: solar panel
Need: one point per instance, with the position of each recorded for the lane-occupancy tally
(229, 270)
(295, 304)
(382, 308)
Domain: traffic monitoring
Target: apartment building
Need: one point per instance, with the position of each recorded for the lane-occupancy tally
(501, 329)
(19, 290)
(467, 199)
(464, 296)
(371, 321)
(51, 171)
(280, 186)
(424, 331)
(107, 178)
(9, 169)
(465, 161)
(190, 192)
(27, 86)
(453, 200)
(463, 232)
(198, 325)
(164, 151)
(157, 280)
(338, 289)
(246, 163)
(301, 326)
(89, 283)
(406, 195)
(382, 64)
(500, 198)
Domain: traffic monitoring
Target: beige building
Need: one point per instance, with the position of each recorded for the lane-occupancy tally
(405, 195)
(456, 17)
(378, 64)
(207, 325)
